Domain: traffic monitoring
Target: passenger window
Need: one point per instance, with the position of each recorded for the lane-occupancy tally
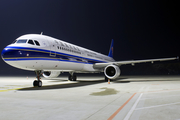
(37, 43)
(31, 42)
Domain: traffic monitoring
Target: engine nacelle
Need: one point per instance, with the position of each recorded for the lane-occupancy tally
(51, 74)
(112, 71)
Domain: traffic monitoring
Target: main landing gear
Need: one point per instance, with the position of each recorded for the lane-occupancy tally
(106, 79)
(72, 77)
(38, 82)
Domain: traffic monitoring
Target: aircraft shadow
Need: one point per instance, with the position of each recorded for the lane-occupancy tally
(84, 82)
(121, 81)
(79, 83)
(62, 86)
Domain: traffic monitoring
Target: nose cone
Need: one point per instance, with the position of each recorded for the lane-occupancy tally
(7, 53)
(3, 53)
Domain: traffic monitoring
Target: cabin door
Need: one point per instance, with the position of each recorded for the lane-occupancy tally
(53, 48)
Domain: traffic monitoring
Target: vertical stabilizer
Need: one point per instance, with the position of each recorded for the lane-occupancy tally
(111, 49)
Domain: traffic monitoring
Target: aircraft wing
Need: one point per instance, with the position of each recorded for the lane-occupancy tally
(119, 63)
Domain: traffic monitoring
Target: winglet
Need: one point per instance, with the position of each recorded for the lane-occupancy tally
(111, 49)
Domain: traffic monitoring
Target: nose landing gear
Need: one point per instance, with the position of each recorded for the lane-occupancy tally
(38, 82)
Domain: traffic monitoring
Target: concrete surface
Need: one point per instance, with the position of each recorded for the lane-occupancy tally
(90, 98)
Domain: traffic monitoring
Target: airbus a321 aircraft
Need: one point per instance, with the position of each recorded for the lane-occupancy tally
(49, 57)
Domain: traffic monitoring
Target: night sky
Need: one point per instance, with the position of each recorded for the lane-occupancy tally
(141, 29)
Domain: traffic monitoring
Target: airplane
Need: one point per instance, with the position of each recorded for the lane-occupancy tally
(49, 57)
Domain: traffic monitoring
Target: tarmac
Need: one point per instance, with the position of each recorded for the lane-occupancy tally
(90, 98)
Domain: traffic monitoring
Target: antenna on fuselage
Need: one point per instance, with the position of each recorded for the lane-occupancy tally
(41, 33)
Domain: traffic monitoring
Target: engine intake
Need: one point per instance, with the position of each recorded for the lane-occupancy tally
(51, 74)
(112, 71)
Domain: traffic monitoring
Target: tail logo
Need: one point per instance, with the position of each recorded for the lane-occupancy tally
(111, 49)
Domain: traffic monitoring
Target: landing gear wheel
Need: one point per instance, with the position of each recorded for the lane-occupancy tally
(72, 78)
(37, 83)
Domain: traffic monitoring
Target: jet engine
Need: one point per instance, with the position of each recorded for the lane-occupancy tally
(112, 71)
(51, 74)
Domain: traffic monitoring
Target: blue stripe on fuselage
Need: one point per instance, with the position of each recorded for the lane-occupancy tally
(25, 59)
(20, 53)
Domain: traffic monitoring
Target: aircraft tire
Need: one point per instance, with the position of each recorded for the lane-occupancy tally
(74, 77)
(37, 83)
(70, 78)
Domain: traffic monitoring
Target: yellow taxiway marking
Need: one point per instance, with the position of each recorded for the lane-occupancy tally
(10, 89)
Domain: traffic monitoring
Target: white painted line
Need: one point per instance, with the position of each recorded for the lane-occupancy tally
(159, 91)
(133, 107)
(157, 106)
(161, 97)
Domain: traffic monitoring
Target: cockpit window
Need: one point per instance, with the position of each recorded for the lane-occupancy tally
(37, 43)
(21, 41)
(31, 42)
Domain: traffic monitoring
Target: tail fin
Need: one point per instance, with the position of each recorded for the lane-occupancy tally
(111, 49)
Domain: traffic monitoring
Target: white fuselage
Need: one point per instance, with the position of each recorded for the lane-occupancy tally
(51, 55)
